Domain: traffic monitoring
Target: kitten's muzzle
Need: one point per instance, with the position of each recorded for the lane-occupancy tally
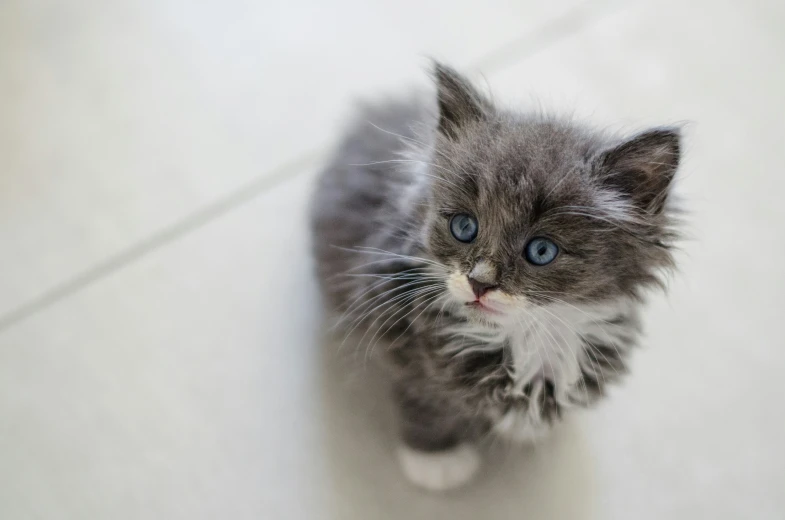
(482, 277)
(480, 288)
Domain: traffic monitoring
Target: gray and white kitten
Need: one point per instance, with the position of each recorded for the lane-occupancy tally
(494, 260)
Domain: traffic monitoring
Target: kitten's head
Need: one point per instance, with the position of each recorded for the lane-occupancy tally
(531, 210)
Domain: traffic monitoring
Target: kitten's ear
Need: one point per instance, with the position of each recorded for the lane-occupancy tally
(459, 102)
(643, 167)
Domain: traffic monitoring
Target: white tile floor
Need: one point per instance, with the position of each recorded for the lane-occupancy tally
(160, 344)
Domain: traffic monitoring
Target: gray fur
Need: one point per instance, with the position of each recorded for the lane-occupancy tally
(384, 252)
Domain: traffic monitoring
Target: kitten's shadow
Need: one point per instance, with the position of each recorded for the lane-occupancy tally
(552, 480)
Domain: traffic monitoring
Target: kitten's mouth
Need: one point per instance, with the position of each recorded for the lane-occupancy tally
(478, 305)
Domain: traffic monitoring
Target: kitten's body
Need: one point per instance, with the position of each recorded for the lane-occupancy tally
(546, 338)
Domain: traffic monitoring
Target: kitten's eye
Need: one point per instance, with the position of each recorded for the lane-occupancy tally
(540, 251)
(463, 227)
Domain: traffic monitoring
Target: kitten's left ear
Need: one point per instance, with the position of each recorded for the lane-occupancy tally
(643, 167)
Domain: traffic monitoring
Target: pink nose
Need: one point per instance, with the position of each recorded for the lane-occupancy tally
(480, 288)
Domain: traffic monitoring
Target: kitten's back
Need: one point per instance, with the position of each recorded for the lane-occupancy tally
(362, 183)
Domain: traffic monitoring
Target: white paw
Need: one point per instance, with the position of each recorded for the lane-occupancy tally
(440, 470)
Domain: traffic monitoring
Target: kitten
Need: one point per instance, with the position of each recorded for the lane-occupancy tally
(495, 260)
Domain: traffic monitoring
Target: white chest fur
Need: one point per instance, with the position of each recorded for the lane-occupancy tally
(550, 344)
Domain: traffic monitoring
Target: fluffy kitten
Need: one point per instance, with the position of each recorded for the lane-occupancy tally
(495, 260)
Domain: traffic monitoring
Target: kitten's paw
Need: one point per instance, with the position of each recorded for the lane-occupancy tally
(440, 470)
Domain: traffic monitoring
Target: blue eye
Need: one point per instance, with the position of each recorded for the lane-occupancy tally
(463, 227)
(541, 251)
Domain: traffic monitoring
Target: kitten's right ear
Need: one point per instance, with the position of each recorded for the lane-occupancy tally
(459, 102)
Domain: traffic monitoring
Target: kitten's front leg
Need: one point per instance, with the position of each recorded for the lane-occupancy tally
(435, 453)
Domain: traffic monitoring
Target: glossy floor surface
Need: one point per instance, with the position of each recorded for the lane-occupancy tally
(161, 351)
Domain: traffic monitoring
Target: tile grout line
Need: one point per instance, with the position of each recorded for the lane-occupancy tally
(182, 227)
(548, 33)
